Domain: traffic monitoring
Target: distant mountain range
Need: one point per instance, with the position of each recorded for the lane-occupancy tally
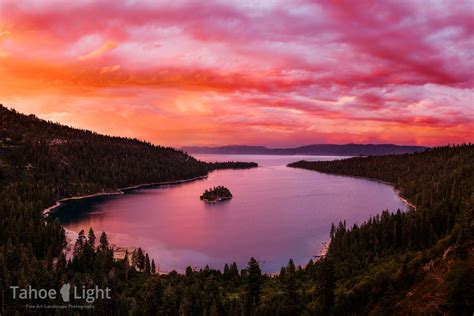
(316, 150)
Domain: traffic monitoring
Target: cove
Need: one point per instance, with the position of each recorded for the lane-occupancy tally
(276, 213)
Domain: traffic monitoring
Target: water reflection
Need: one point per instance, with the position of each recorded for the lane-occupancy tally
(276, 213)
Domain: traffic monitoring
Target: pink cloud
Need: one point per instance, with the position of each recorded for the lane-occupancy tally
(305, 70)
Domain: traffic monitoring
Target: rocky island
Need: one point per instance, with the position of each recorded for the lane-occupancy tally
(216, 194)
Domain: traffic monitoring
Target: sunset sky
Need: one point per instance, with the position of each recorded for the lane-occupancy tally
(275, 73)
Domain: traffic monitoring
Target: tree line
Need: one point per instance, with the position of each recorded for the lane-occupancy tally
(385, 265)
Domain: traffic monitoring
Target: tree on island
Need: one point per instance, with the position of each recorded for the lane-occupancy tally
(218, 193)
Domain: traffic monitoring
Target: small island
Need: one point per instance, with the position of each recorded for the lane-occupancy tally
(216, 194)
(231, 165)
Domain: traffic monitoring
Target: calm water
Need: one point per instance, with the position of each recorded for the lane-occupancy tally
(277, 213)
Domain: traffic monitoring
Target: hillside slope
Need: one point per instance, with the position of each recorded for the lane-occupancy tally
(42, 162)
(419, 260)
(61, 161)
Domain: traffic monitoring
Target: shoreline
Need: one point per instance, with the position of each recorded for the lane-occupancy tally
(119, 250)
(118, 191)
(71, 235)
(397, 191)
(403, 199)
(221, 199)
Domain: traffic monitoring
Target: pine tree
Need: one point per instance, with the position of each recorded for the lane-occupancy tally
(147, 264)
(79, 245)
(189, 271)
(288, 283)
(91, 237)
(290, 268)
(126, 264)
(326, 283)
(254, 281)
(140, 259)
(134, 258)
(234, 271)
(226, 272)
(104, 242)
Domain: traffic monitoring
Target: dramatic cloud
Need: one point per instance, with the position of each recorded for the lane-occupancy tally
(267, 72)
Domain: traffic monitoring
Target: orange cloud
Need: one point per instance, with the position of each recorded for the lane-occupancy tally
(96, 53)
(109, 69)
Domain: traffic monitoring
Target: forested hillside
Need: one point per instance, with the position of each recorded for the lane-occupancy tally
(377, 262)
(415, 262)
(42, 162)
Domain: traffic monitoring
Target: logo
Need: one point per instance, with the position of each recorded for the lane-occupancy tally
(89, 295)
(65, 292)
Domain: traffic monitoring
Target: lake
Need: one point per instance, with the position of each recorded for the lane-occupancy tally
(276, 213)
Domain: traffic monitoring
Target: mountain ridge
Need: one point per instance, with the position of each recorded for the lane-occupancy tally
(312, 149)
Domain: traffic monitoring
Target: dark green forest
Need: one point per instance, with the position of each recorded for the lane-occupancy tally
(418, 262)
(217, 193)
(231, 165)
(379, 260)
